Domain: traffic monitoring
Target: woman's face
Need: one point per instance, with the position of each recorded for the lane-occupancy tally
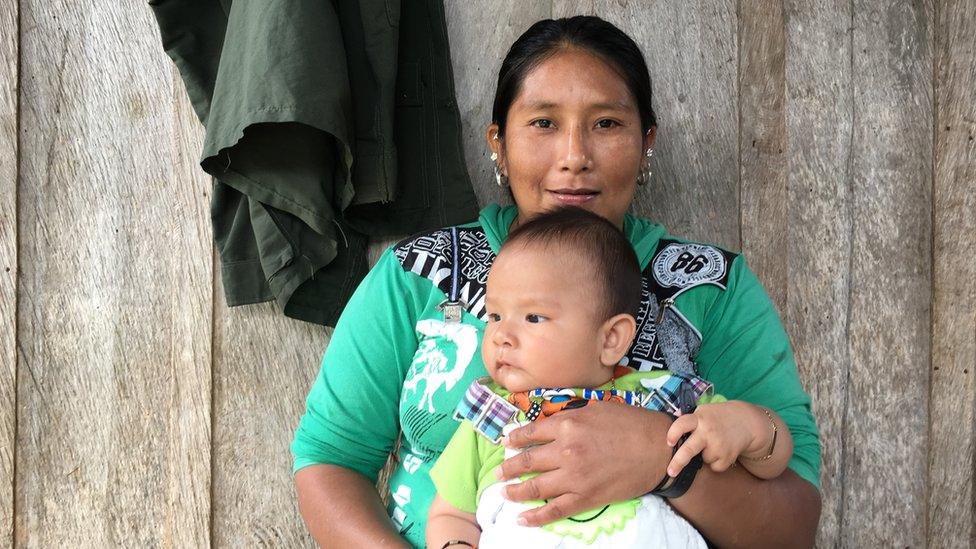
(573, 137)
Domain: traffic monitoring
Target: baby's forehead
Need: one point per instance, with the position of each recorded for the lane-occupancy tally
(550, 252)
(571, 262)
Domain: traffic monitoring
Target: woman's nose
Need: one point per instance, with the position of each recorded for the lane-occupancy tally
(576, 154)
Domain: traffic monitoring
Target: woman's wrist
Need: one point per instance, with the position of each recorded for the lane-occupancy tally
(656, 435)
(675, 485)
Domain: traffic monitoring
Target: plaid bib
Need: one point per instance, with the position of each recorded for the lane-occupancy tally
(489, 412)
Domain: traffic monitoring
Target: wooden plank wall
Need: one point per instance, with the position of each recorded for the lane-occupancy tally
(952, 391)
(833, 142)
(818, 209)
(8, 264)
(114, 288)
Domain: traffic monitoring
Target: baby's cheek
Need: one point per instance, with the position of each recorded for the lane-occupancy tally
(487, 349)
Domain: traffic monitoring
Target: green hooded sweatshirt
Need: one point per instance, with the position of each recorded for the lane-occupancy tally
(395, 367)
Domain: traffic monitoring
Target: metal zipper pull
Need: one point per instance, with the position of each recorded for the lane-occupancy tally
(665, 303)
(452, 310)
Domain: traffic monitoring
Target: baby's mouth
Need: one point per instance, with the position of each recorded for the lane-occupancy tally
(501, 363)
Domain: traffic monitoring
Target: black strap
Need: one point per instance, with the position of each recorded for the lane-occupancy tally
(676, 487)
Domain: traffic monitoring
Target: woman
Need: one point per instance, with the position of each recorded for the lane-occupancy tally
(572, 125)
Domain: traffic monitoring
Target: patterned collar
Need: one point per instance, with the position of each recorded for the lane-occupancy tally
(489, 412)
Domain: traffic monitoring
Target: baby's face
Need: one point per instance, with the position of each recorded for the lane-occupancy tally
(543, 326)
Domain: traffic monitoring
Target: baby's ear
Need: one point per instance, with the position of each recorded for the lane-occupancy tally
(618, 333)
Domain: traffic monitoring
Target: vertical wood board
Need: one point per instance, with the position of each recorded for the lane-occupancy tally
(107, 382)
(187, 522)
(264, 365)
(764, 207)
(819, 129)
(951, 458)
(891, 168)
(9, 39)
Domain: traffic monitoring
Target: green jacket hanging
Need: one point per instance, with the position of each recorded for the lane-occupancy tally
(327, 122)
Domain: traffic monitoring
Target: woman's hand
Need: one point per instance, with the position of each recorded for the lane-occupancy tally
(587, 458)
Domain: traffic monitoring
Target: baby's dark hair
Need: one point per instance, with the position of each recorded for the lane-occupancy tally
(594, 241)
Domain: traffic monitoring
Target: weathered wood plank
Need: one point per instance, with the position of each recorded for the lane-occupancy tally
(762, 144)
(952, 451)
(264, 365)
(886, 435)
(691, 51)
(9, 29)
(479, 40)
(113, 301)
(819, 126)
(187, 523)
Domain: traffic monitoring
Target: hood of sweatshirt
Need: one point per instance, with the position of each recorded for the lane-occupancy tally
(643, 234)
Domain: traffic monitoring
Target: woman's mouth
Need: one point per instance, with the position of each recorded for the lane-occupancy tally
(573, 197)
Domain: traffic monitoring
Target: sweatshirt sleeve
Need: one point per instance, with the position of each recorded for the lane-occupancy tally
(746, 354)
(351, 416)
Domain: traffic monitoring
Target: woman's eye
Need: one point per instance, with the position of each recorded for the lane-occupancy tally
(534, 318)
(493, 317)
(607, 123)
(542, 123)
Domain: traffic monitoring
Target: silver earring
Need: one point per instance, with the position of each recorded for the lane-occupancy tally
(500, 179)
(644, 177)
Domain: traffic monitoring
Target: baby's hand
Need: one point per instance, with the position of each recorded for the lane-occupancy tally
(721, 432)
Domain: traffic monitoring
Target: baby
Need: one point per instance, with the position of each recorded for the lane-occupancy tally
(562, 298)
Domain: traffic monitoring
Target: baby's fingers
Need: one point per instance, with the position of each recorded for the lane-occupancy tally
(684, 424)
(691, 448)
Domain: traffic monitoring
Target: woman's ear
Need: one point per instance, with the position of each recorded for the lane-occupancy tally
(618, 334)
(650, 137)
(495, 146)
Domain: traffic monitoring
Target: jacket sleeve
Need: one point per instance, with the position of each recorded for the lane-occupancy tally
(746, 354)
(351, 416)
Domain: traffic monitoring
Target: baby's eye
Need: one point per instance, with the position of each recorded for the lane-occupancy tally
(493, 317)
(534, 318)
(542, 123)
(607, 123)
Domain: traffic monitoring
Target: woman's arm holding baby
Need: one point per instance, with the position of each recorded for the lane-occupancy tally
(342, 509)
(446, 523)
(733, 508)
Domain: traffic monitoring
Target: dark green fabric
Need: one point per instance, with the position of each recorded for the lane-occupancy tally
(328, 121)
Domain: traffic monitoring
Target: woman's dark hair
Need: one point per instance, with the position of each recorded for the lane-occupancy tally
(549, 36)
(598, 244)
